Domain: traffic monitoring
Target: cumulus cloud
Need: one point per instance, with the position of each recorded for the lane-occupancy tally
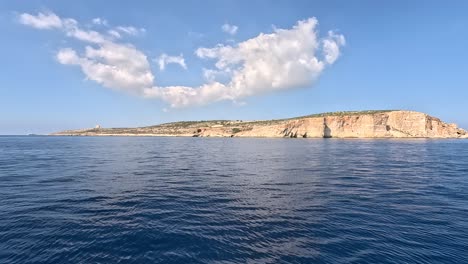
(115, 66)
(284, 59)
(331, 46)
(68, 56)
(183, 96)
(41, 21)
(165, 59)
(91, 36)
(68, 25)
(230, 29)
(211, 75)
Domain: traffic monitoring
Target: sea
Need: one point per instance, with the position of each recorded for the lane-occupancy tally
(232, 200)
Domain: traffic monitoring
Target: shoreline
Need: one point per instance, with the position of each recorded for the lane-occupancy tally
(365, 124)
(244, 137)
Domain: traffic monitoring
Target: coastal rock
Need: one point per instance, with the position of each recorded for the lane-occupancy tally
(364, 124)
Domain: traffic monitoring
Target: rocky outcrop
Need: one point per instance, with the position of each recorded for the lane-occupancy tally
(368, 124)
(391, 124)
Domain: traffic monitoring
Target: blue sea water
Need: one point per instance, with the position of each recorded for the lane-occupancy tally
(230, 200)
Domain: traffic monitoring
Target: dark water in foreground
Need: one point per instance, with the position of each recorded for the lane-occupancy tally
(198, 200)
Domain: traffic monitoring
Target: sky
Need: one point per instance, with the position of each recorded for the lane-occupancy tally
(68, 65)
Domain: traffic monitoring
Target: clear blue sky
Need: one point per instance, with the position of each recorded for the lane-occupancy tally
(396, 55)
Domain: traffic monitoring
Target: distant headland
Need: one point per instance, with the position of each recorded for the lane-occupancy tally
(350, 124)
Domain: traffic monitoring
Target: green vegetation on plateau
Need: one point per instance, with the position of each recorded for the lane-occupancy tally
(236, 125)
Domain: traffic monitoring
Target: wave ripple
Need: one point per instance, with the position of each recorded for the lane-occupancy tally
(197, 200)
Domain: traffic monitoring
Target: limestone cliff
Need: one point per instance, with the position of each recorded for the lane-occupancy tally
(364, 124)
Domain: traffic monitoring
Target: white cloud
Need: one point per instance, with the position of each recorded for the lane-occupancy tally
(331, 46)
(99, 21)
(115, 66)
(86, 35)
(114, 33)
(71, 28)
(67, 25)
(133, 31)
(284, 59)
(41, 21)
(210, 75)
(68, 56)
(230, 29)
(183, 96)
(165, 59)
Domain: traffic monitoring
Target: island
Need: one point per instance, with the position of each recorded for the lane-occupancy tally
(349, 124)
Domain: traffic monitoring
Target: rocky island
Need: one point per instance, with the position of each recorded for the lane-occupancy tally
(351, 124)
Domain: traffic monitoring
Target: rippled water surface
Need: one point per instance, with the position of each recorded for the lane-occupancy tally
(207, 200)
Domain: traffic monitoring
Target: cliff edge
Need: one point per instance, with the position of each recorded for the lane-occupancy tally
(362, 124)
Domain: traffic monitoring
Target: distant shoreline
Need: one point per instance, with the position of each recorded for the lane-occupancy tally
(253, 137)
(352, 124)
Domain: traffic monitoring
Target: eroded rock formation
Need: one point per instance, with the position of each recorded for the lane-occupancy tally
(368, 124)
